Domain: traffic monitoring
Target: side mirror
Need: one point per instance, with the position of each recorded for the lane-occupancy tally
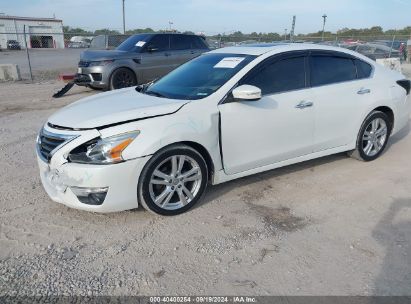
(246, 92)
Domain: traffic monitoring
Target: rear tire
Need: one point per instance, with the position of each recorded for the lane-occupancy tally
(122, 78)
(173, 180)
(373, 137)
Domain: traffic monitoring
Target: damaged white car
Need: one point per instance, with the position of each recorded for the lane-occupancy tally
(229, 113)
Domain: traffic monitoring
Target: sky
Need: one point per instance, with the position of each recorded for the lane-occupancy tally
(218, 16)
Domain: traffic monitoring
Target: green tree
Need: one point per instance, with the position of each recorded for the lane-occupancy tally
(106, 32)
(76, 30)
(139, 31)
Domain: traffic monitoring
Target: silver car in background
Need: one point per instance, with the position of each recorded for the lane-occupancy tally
(375, 51)
(139, 59)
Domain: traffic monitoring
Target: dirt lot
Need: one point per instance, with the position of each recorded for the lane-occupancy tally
(332, 226)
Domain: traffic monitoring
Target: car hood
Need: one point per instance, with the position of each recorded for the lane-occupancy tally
(98, 55)
(112, 108)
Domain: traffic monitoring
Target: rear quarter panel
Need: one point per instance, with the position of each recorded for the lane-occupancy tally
(402, 104)
(399, 101)
(384, 93)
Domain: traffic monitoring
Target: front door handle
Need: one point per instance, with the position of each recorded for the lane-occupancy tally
(364, 91)
(304, 104)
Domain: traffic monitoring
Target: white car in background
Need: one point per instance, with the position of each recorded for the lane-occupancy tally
(229, 113)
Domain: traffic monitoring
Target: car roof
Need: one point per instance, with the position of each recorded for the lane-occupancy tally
(171, 33)
(262, 48)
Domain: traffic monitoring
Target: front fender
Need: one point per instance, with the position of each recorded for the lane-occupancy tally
(182, 126)
(123, 63)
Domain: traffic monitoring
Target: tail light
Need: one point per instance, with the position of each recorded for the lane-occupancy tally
(406, 84)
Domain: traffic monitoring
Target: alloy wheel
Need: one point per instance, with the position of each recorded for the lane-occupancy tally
(374, 137)
(175, 182)
(123, 79)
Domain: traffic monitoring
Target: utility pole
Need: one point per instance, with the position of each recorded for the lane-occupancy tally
(170, 23)
(292, 29)
(285, 34)
(27, 52)
(324, 20)
(124, 20)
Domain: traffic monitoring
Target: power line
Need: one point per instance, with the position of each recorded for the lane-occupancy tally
(124, 20)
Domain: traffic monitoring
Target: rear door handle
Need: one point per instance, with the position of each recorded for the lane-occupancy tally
(364, 91)
(167, 54)
(304, 104)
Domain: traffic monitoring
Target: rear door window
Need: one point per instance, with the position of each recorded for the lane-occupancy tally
(159, 43)
(331, 69)
(280, 76)
(180, 42)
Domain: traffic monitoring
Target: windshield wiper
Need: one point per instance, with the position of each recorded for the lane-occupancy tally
(143, 87)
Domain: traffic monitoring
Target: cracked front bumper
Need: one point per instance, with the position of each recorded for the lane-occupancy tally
(97, 76)
(120, 179)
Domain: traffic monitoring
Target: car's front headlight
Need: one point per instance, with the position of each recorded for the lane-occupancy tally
(100, 63)
(102, 150)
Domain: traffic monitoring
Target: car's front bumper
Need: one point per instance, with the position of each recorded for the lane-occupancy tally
(121, 180)
(96, 76)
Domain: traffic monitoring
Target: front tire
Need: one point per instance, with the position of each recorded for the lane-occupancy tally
(173, 180)
(373, 137)
(122, 78)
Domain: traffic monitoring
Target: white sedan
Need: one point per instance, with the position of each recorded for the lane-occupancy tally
(228, 113)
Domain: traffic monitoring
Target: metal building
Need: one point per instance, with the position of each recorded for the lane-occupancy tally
(40, 32)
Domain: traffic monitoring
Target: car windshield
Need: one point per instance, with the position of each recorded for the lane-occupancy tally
(199, 77)
(133, 43)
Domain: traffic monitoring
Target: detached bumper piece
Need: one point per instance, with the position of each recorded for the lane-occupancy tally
(64, 90)
(79, 79)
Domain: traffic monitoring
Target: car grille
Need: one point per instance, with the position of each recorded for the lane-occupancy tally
(47, 142)
(83, 64)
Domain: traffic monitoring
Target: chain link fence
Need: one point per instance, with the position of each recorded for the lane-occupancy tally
(43, 54)
(391, 41)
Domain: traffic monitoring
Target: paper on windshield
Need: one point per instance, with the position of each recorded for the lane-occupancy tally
(229, 62)
(140, 43)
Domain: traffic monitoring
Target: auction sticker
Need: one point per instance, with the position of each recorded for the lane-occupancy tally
(140, 43)
(229, 62)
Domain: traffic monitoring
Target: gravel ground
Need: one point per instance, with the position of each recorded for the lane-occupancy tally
(332, 226)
